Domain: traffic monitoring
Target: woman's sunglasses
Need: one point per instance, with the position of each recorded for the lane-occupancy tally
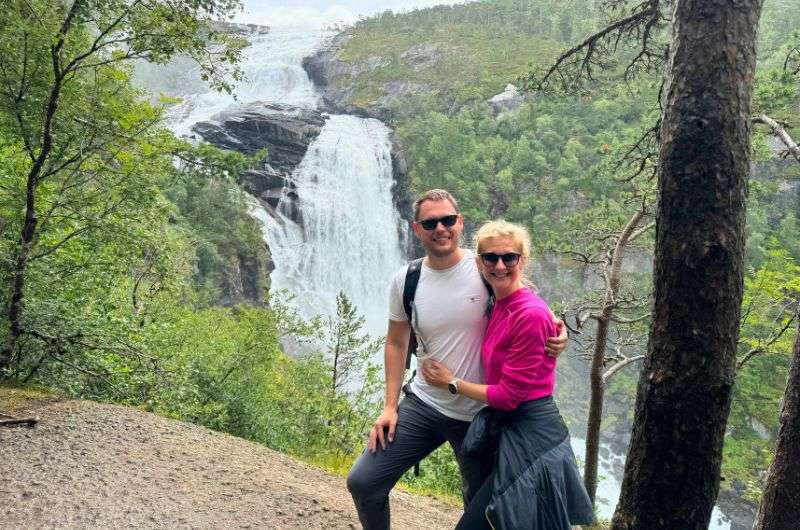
(490, 259)
(431, 224)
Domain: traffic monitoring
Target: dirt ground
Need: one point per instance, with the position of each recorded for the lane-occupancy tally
(90, 465)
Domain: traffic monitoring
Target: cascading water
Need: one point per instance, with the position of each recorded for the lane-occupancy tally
(348, 238)
(272, 65)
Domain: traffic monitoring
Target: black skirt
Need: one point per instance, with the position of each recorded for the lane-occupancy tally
(536, 483)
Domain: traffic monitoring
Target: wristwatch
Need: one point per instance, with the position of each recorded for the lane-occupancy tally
(452, 386)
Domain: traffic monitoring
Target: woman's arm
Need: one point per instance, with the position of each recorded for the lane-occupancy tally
(439, 375)
(525, 365)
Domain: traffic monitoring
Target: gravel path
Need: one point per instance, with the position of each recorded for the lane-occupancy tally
(90, 465)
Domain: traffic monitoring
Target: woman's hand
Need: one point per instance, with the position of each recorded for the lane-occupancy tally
(436, 373)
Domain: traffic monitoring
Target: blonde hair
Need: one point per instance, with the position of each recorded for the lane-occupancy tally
(433, 195)
(501, 228)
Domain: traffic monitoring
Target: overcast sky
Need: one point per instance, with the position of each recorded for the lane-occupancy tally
(318, 13)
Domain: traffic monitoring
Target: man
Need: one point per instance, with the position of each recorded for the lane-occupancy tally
(449, 319)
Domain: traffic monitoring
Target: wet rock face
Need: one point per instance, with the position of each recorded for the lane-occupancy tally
(285, 131)
(401, 196)
(245, 277)
(324, 68)
(326, 71)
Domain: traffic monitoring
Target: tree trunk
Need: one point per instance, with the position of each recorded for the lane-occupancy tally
(780, 505)
(595, 407)
(597, 376)
(683, 398)
(15, 306)
(18, 281)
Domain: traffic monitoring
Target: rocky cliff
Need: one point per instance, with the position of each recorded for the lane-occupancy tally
(285, 132)
(326, 71)
(334, 79)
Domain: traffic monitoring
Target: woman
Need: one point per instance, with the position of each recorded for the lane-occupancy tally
(535, 483)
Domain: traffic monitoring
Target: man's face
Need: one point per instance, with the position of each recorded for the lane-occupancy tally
(440, 241)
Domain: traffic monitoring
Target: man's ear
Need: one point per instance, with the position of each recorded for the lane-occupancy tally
(415, 227)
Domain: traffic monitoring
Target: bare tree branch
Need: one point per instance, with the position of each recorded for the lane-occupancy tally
(620, 320)
(611, 372)
(576, 64)
(638, 233)
(778, 130)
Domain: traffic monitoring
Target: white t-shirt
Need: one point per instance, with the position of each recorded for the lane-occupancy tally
(449, 318)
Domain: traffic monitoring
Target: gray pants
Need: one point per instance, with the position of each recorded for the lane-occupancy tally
(420, 430)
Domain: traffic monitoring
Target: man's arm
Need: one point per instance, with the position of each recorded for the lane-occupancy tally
(394, 358)
(556, 345)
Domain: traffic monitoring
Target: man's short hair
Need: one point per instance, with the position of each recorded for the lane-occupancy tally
(433, 195)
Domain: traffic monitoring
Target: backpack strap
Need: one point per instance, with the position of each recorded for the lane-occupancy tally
(409, 290)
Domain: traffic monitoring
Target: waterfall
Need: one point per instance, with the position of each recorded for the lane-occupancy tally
(348, 237)
(348, 240)
(272, 65)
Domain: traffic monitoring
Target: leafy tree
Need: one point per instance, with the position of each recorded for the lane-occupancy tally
(82, 133)
(348, 350)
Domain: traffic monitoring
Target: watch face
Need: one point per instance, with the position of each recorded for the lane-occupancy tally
(452, 388)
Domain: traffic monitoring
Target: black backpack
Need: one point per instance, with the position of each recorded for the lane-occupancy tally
(409, 290)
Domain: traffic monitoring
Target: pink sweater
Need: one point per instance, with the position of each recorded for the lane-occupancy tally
(514, 362)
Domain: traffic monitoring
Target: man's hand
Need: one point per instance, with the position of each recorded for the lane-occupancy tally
(387, 420)
(556, 345)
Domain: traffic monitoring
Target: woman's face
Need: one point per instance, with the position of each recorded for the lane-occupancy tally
(502, 274)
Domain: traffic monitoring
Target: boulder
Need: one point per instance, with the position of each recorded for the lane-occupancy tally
(507, 100)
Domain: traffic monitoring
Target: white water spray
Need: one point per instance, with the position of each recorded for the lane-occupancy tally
(272, 65)
(348, 240)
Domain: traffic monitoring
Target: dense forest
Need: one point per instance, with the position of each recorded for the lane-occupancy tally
(119, 243)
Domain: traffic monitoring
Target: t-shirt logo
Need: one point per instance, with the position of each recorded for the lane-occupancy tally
(474, 298)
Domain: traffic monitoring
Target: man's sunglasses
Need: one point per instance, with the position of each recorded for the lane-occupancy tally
(431, 224)
(490, 259)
